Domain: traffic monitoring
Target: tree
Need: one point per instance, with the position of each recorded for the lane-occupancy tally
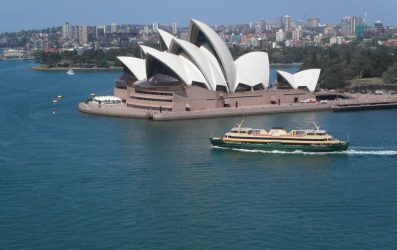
(390, 76)
(51, 59)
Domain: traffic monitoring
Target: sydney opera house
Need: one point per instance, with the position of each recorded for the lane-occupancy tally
(200, 74)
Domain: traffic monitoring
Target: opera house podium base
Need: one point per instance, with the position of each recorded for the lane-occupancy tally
(195, 102)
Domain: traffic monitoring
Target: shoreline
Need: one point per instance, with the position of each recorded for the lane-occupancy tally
(65, 69)
(286, 64)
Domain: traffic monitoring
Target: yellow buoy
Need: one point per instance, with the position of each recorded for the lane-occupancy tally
(59, 97)
(55, 101)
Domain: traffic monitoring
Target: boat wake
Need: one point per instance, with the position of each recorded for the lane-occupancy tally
(352, 152)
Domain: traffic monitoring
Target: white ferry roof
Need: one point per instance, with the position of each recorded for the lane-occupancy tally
(107, 99)
(237, 129)
(315, 131)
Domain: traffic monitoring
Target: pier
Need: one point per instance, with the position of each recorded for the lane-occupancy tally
(364, 106)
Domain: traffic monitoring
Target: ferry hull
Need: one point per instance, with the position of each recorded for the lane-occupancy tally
(280, 147)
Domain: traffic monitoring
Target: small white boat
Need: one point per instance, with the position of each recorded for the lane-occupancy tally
(70, 71)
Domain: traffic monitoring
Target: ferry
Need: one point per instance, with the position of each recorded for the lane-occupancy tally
(279, 139)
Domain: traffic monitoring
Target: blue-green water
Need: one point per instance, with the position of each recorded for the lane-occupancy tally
(74, 181)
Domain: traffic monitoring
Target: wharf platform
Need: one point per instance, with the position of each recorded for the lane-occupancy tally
(360, 102)
(364, 106)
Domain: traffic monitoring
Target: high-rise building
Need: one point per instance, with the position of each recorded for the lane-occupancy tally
(286, 23)
(146, 29)
(318, 39)
(174, 29)
(258, 28)
(330, 30)
(278, 22)
(336, 40)
(378, 25)
(243, 40)
(280, 35)
(113, 28)
(83, 34)
(75, 33)
(100, 31)
(269, 27)
(297, 33)
(348, 26)
(155, 26)
(359, 27)
(66, 31)
(313, 22)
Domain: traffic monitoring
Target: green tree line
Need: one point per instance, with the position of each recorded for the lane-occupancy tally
(342, 63)
(339, 63)
(98, 58)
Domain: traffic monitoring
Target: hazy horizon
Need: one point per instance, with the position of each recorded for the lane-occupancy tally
(16, 15)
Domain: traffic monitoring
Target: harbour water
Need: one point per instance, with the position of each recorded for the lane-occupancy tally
(74, 181)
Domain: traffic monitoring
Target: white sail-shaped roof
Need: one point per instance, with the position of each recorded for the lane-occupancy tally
(306, 78)
(171, 61)
(206, 60)
(218, 47)
(253, 69)
(242, 78)
(206, 66)
(166, 39)
(288, 77)
(180, 66)
(194, 73)
(216, 70)
(135, 65)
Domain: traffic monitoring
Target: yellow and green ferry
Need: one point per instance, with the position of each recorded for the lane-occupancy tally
(279, 139)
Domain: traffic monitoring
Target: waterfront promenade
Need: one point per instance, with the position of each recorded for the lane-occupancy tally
(121, 110)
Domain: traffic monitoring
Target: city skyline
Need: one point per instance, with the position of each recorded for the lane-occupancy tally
(221, 12)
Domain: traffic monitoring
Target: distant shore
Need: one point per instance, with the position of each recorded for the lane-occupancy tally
(58, 69)
(16, 59)
(286, 64)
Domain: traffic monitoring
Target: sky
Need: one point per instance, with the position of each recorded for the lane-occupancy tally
(16, 15)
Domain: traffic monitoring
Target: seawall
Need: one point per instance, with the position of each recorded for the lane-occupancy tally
(361, 102)
(121, 110)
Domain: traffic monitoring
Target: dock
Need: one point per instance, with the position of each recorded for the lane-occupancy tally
(364, 106)
(356, 103)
